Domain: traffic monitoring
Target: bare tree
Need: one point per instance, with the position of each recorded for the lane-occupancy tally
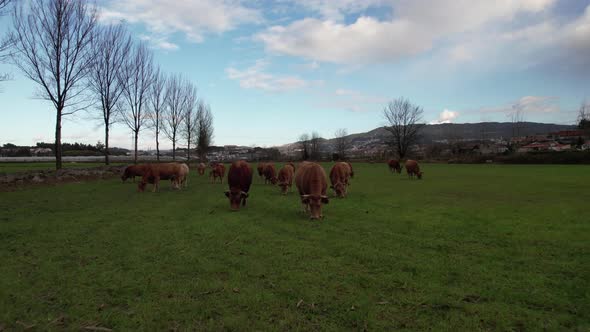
(314, 145)
(137, 76)
(5, 41)
(341, 142)
(157, 106)
(517, 119)
(190, 117)
(304, 142)
(404, 124)
(175, 106)
(111, 48)
(52, 47)
(584, 117)
(204, 129)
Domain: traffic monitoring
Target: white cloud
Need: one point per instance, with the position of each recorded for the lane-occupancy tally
(194, 19)
(160, 43)
(415, 27)
(255, 77)
(446, 116)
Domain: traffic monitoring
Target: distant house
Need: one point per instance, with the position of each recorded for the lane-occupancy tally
(544, 146)
(41, 152)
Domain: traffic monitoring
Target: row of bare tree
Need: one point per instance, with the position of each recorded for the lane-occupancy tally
(81, 65)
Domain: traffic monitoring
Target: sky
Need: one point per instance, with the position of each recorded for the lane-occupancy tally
(272, 70)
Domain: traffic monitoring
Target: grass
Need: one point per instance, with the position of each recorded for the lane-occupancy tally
(469, 248)
(23, 167)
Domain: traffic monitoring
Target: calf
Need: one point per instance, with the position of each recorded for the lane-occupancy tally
(239, 179)
(413, 168)
(310, 179)
(201, 168)
(286, 178)
(394, 165)
(217, 171)
(339, 175)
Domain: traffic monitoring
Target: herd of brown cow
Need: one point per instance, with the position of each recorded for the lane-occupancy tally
(310, 179)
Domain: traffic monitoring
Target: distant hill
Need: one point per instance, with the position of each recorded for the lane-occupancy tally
(465, 131)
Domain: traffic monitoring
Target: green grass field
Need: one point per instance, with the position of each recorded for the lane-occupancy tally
(468, 248)
(23, 167)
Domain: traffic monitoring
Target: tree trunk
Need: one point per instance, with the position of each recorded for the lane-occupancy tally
(173, 147)
(106, 145)
(188, 150)
(58, 147)
(157, 147)
(135, 158)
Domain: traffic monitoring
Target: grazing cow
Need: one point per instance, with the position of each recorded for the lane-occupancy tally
(311, 182)
(156, 172)
(350, 167)
(394, 165)
(260, 169)
(413, 168)
(270, 173)
(339, 175)
(217, 171)
(201, 168)
(132, 171)
(239, 179)
(182, 180)
(286, 178)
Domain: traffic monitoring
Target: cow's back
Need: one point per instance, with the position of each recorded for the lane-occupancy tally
(286, 173)
(240, 175)
(310, 179)
(339, 172)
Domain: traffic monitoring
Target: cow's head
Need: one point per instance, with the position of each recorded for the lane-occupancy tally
(141, 186)
(340, 189)
(125, 175)
(235, 197)
(315, 204)
(419, 174)
(284, 187)
(274, 180)
(398, 169)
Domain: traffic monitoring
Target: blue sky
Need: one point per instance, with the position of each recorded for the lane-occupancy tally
(272, 70)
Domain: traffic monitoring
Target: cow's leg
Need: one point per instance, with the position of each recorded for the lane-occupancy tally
(156, 183)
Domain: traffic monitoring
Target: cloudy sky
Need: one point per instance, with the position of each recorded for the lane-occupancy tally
(273, 69)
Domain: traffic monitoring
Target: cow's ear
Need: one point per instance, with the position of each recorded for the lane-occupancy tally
(226, 194)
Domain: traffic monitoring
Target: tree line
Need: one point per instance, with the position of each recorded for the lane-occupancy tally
(78, 64)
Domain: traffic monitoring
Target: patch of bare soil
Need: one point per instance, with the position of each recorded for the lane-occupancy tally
(12, 181)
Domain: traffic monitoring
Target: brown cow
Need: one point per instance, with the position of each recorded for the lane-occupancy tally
(394, 165)
(311, 182)
(339, 178)
(182, 180)
(270, 173)
(239, 179)
(260, 169)
(217, 171)
(132, 171)
(286, 178)
(201, 168)
(156, 172)
(351, 170)
(413, 168)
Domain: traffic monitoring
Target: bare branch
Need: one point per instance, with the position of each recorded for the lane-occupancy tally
(341, 142)
(404, 124)
(51, 45)
(137, 75)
